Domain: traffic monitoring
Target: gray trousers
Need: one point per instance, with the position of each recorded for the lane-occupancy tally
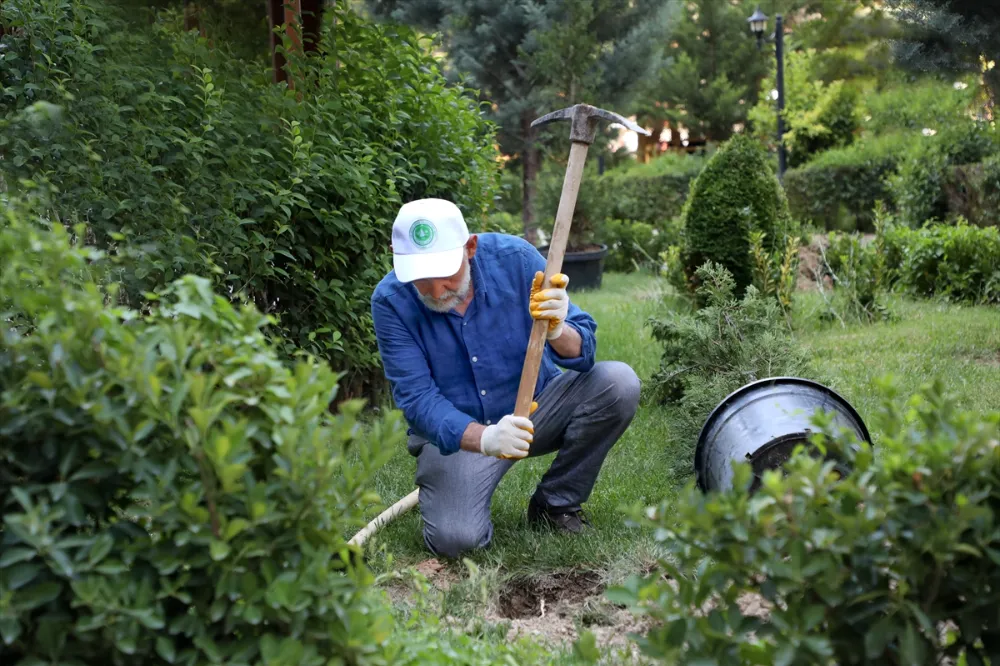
(580, 416)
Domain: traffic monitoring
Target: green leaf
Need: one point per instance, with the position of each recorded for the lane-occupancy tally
(165, 649)
(15, 555)
(32, 597)
(219, 550)
(102, 546)
(785, 655)
(20, 575)
(585, 648)
(878, 637)
(10, 630)
(911, 647)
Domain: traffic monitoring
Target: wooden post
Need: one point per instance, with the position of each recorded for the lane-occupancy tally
(276, 17)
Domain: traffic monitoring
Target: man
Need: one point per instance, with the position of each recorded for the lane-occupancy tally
(452, 322)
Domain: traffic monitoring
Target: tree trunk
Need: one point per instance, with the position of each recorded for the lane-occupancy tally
(529, 175)
(276, 17)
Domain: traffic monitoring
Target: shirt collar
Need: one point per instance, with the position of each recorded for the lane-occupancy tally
(479, 281)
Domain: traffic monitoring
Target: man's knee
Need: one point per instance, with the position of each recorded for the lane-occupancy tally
(622, 384)
(454, 539)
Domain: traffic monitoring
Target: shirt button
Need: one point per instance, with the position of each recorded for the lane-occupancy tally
(475, 359)
(483, 392)
(488, 422)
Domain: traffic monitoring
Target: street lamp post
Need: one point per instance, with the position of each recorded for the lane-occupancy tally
(758, 22)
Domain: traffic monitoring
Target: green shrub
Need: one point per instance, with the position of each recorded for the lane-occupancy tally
(910, 105)
(896, 562)
(818, 116)
(973, 192)
(171, 491)
(715, 350)
(735, 194)
(286, 197)
(652, 194)
(633, 245)
(860, 276)
(840, 188)
(919, 186)
(960, 262)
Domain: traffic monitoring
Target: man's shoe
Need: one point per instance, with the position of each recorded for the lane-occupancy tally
(564, 520)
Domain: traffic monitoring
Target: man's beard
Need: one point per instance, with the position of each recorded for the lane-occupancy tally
(451, 299)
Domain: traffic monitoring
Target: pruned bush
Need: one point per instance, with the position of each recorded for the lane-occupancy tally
(737, 193)
(887, 556)
(171, 491)
(919, 187)
(956, 262)
(840, 188)
(283, 196)
(711, 352)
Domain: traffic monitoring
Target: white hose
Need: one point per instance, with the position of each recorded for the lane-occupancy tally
(386, 517)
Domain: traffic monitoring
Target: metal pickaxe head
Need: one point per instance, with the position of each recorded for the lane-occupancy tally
(584, 121)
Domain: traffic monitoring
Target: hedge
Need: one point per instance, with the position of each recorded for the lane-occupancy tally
(879, 555)
(957, 262)
(839, 189)
(286, 197)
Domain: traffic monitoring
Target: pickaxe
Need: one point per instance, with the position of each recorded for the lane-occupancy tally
(583, 129)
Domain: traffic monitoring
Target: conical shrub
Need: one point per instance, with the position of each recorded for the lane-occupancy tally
(735, 194)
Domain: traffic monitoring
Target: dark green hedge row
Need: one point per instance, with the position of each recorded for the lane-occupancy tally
(839, 189)
(286, 197)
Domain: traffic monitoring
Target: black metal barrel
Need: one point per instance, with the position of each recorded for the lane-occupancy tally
(762, 423)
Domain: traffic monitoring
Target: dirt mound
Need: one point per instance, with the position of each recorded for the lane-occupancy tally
(529, 598)
(811, 264)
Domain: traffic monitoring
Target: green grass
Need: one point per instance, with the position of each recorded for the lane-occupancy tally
(961, 345)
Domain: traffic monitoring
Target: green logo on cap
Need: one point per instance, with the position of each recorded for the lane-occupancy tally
(422, 233)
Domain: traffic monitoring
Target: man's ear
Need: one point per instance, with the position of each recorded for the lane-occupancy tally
(471, 245)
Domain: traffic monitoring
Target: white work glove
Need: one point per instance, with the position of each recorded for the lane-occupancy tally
(508, 439)
(551, 304)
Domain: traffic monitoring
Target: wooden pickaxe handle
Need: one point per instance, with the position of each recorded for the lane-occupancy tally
(553, 265)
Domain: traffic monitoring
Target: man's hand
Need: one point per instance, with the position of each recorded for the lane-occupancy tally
(510, 438)
(551, 304)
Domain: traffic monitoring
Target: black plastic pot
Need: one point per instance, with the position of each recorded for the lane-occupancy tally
(584, 269)
(762, 423)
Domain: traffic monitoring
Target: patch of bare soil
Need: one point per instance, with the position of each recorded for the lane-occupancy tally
(811, 264)
(556, 607)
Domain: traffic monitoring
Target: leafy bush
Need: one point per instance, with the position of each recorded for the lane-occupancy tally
(960, 262)
(737, 193)
(973, 192)
(652, 194)
(170, 489)
(818, 116)
(919, 186)
(840, 188)
(632, 245)
(896, 562)
(715, 350)
(909, 106)
(860, 278)
(283, 196)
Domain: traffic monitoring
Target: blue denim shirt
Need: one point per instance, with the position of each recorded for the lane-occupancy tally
(449, 370)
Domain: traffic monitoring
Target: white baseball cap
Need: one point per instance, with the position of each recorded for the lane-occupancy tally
(428, 240)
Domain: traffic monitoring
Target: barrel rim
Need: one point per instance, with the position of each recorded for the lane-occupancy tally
(769, 381)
